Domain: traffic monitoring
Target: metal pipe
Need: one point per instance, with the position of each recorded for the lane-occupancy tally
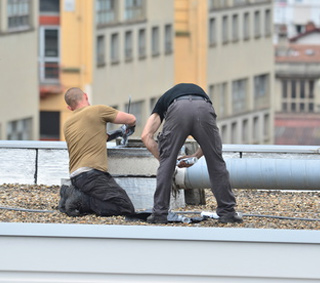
(256, 173)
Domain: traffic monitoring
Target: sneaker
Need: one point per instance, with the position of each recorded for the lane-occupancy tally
(235, 217)
(160, 219)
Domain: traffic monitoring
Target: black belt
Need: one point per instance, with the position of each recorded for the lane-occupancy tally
(191, 97)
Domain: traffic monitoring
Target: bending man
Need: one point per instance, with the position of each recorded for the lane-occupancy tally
(187, 110)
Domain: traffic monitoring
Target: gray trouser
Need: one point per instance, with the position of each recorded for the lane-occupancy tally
(198, 119)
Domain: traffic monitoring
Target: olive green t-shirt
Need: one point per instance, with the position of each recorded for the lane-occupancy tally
(85, 134)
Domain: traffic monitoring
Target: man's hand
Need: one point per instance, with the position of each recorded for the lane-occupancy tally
(186, 161)
(127, 131)
(124, 131)
(115, 134)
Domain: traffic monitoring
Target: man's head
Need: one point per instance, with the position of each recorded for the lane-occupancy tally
(76, 98)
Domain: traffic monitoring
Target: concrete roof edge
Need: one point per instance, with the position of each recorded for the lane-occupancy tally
(159, 233)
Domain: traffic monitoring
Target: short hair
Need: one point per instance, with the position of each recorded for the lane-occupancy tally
(73, 96)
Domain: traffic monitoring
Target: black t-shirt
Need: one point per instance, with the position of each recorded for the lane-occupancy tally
(178, 90)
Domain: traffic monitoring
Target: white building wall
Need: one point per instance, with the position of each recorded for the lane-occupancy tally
(19, 77)
(292, 13)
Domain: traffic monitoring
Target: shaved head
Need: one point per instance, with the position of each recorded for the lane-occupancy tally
(73, 97)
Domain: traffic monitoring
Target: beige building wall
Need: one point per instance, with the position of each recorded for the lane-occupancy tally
(19, 77)
(191, 37)
(240, 72)
(140, 71)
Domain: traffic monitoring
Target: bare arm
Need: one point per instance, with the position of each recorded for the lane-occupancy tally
(125, 118)
(198, 153)
(152, 125)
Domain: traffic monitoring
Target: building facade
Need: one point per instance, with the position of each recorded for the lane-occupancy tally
(297, 92)
(240, 69)
(134, 54)
(115, 50)
(121, 50)
(19, 72)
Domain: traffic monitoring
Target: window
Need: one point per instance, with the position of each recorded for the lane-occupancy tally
(284, 107)
(255, 129)
(155, 41)
(245, 131)
(212, 32)
(217, 4)
(293, 89)
(211, 92)
(257, 31)
(50, 125)
(240, 2)
(221, 99)
(266, 125)
(224, 134)
(49, 53)
(225, 29)
(234, 132)
(267, 23)
(51, 47)
(114, 50)
(284, 88)
(311, 89)
(134, 10)
(49, 6)
(128, 46)
(239, 96)
(302, 89)
(261, 91)
(235, 28)
(168, 39)
(18, 14)
(105, 11)
(100, 50)
(311, 107)
(297, 95)
(246, 26)
(142, 43)
(300, 29)
(20, 129)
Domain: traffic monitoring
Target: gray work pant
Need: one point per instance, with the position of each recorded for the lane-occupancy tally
(198, 119)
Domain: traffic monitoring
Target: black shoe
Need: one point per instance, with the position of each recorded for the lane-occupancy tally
(160, 219)
(63, 198)
(235, 217)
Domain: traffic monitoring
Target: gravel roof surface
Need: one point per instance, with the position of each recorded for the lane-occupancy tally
(253, 202)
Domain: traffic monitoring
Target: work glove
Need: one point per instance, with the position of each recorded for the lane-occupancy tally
(127, 131)
(115, 133)
(124, 131)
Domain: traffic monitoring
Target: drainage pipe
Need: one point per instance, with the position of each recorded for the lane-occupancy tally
(256, 173)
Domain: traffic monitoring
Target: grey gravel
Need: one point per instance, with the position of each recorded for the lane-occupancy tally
(253, 202)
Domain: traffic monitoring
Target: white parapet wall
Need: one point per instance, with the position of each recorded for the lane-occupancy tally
(42, 162)
(101, 253)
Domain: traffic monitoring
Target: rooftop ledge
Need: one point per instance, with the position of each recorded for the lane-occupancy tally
(159, 233)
